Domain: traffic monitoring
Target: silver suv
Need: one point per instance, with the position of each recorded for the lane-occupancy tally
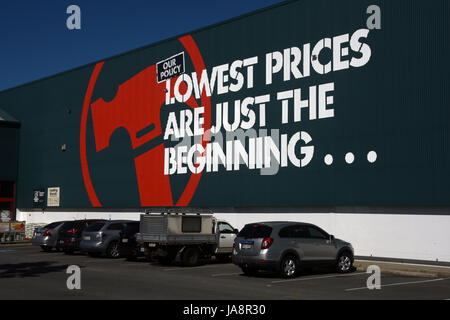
(287, 246)
(47, 237)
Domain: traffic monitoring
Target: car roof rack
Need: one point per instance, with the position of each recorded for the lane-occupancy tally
(178, 211)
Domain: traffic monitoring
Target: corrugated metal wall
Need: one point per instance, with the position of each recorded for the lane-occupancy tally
(396, 104)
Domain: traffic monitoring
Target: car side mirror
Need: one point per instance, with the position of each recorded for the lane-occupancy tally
(236, 231)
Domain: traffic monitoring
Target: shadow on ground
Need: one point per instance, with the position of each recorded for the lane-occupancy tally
(29, 269)
(323, 271)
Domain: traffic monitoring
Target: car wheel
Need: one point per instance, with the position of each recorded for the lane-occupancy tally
(249, 271)
(344, 262)
(113, 250)
(289, 266)
(190, 257)
(46, 248)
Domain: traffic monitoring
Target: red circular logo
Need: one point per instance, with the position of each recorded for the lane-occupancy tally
(137, 106)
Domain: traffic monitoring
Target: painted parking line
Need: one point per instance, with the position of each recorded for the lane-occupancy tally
(8, 250)
(226, 274)
(191, 268)
(407, 264)
(317, 278)
(399, 284)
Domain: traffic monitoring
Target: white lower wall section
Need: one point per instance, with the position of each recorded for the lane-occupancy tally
(420, 237)
(51, 216)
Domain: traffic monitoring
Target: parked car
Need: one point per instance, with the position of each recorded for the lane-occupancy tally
(47, 236)
(190, 236)
(70, 234)
(103, 237)
(128, 246)
(287, 246)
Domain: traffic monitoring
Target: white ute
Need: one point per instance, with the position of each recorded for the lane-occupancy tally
(191, 236)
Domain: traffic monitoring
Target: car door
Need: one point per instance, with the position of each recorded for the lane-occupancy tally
(324, 248)
(226, 237)
(114, 229)
(304, 245)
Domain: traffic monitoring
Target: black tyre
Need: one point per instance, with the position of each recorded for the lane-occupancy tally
(190, 257)
(249, 271)
(113, 250)
(344, 262)
(46, 248)
(289, 266)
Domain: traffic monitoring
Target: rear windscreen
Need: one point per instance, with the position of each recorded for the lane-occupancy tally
(131, 228)
(191, 224)
(251, 231)
(69, 225)
(95, 227)
(52, 225)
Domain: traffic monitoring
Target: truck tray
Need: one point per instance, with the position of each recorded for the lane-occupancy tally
(177, 239)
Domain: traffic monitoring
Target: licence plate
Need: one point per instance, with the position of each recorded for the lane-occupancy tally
(152, 245)
(86, 238)
(124, 240)
(61, 241)
(142, 249)
(246, 246)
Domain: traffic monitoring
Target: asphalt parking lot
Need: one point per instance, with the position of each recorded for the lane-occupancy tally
(28, 273)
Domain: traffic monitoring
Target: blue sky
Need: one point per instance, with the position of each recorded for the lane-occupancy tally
(35, 42)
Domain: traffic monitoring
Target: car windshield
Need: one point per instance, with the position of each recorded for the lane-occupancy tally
(95, 227)
(251, 231)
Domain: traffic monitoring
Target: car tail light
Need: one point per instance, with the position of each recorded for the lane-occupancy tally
(266, 243)
(234, 245)
(47, 233)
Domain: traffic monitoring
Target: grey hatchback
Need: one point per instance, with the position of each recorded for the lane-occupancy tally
(103, 238)
(287, 246)
(47, 236)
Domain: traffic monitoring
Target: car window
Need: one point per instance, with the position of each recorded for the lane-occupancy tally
(300, 231)
(251, 231)
(286, 232)
(317, 233)
(116, 226)
(68, 225)
(132, 228)
(294, 231)
(225, 228)
(191, 224)
(95, 227)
